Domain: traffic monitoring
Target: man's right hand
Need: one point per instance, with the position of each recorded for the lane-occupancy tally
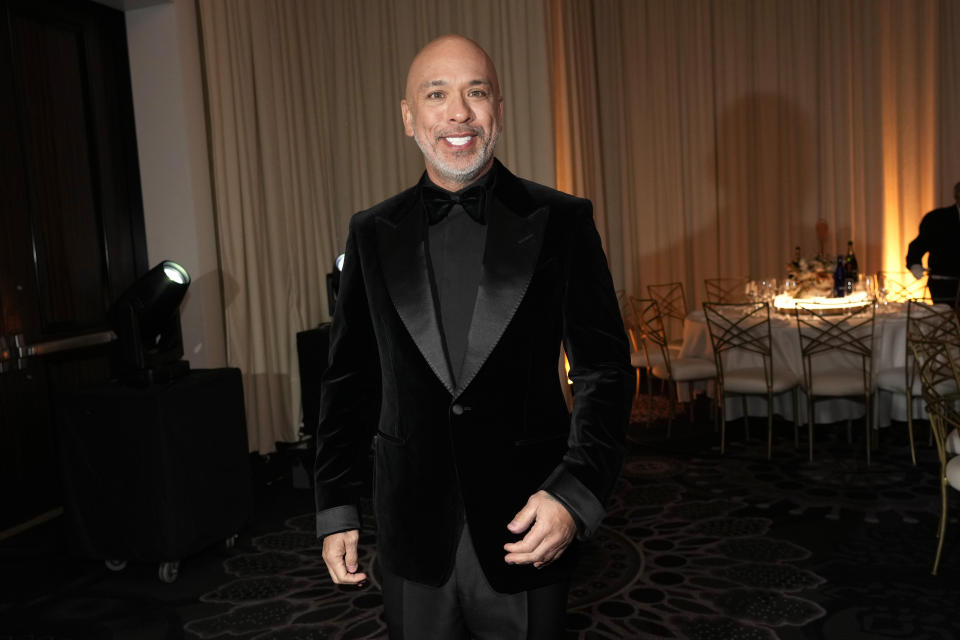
(916, 270)
(340, 556)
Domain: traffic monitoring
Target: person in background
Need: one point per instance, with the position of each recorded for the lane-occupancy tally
(940, 237)
(455, 297)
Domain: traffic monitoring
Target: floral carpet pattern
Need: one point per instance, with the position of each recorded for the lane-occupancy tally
(663, 566)
(696, 545)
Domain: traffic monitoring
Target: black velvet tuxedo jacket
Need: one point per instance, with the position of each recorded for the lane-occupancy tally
(940, 235)
(478, 447)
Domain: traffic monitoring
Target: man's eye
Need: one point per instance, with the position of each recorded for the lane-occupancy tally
(478, 93)
(434, 95)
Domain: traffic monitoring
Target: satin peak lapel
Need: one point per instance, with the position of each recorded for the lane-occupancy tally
(513, 247)
(403, 253)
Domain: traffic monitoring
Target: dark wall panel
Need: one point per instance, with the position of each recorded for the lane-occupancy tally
(72, 222)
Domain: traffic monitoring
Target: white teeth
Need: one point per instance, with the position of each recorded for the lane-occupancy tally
(458, 142)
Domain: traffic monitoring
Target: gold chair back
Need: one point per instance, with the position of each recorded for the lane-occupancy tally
(822, 331)
(726, 290)
(672, 303)
(896, 286)
(651, 335)
(744, 326)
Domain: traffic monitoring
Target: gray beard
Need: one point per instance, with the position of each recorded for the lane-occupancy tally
(460, 176)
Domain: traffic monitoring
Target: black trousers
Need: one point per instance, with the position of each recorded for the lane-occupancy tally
(466, 607)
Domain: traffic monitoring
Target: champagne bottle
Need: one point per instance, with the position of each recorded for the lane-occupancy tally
(839, 288)
(850, 269)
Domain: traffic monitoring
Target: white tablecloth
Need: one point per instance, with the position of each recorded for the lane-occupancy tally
(889, 351)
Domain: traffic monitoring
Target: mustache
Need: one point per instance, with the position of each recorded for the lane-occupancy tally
(461, 131)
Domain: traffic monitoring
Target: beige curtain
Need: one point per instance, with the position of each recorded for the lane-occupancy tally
(303, 99)
(727, 129)
(579, 168)
(948, 97)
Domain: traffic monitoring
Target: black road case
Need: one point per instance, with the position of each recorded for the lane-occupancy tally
(155, 473)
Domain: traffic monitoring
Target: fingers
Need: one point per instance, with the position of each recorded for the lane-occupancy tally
(340, 556)
(553, 529)
(528, 543)
(540, 546)
(350, 557)
(524, 518)
(546, 551)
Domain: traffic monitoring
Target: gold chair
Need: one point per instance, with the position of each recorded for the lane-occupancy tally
(929, 323)
(745, 327)
(849, 333)
(638, 356)
(923, 322)
(896, 286)
(663, 364)
(673, 308)
(726, 290)
(938, 364)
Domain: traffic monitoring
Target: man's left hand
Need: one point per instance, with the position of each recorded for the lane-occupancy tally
(552, 531)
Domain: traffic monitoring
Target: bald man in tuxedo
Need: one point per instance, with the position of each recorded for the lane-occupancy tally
(455, 298)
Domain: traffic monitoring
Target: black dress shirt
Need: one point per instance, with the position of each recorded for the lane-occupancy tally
(455, 250)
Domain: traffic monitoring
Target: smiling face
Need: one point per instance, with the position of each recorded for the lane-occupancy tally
(453, 109)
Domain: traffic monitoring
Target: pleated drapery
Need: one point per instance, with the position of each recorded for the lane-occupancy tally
(727, 129)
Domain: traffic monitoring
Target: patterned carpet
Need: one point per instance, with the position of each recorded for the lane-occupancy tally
(696, 545)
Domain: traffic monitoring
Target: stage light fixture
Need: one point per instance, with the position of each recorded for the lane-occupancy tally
(333, 284)
(146, 319)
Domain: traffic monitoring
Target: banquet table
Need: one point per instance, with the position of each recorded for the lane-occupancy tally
(889, 351)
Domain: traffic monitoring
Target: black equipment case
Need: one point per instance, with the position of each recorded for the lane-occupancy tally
(158, 472)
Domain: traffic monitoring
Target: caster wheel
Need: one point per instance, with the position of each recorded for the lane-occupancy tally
(231, 542)
(168, 572)
(115, 565)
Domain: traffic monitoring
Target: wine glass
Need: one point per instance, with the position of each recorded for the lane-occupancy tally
(868, 284)
(768, 289)
(881, 285)
(790, 287)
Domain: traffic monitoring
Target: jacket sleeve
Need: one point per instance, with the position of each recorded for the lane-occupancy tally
(349, 401)
(596, 345)
(922, 243)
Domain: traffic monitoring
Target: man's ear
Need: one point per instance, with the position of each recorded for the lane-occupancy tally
(407, 117)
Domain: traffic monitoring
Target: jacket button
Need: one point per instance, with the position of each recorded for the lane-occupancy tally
(457, 410)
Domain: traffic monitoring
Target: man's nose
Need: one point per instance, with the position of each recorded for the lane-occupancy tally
(458, 110)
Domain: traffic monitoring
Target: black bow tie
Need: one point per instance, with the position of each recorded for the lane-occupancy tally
(439, 202)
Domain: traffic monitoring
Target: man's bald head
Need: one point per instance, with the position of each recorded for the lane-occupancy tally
(453, 109)
(446, 48)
